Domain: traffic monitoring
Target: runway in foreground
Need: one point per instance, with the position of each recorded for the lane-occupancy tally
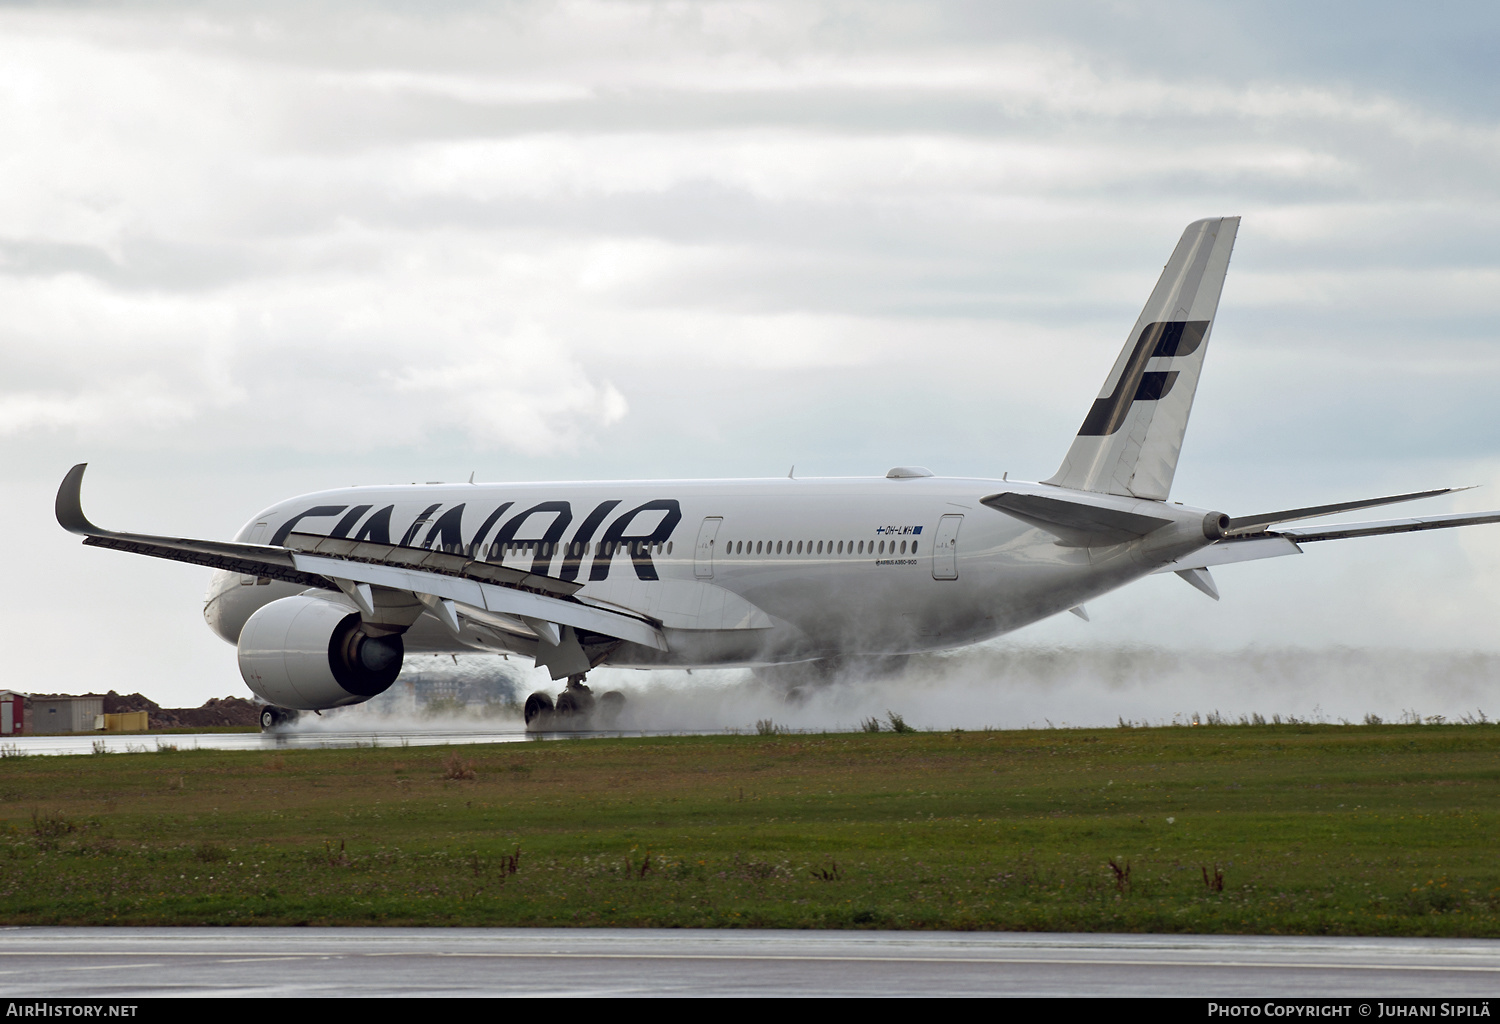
(297, 738)
(110, 963)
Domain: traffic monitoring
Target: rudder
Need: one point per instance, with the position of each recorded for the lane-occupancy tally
(1132, 435)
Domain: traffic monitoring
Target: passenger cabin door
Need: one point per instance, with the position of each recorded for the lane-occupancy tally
(945, 548)
(703, 555)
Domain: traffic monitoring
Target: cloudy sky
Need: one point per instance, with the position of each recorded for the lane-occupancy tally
(249, 250)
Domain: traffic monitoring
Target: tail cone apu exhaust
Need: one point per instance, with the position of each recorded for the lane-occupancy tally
(1215, 525)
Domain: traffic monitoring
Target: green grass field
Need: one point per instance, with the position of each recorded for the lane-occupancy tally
(1368, 830)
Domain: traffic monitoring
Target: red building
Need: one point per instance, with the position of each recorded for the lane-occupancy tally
(12, 713)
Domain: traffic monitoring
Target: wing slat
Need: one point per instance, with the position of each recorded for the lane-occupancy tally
(430, 561)
(488, 596)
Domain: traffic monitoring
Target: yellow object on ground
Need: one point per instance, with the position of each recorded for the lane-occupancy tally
(126, 721)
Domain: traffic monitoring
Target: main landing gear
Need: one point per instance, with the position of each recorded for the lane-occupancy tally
(576, 708)
(272, 717)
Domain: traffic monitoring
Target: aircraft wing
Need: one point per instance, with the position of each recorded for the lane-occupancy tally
(250, 559)
(503, 599)
(342, 565)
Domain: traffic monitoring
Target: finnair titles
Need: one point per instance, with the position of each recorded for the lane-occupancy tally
(325, 594)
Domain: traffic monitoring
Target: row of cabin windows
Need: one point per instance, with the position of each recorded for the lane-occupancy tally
(637, 548)
(757, 547)
(576, 549)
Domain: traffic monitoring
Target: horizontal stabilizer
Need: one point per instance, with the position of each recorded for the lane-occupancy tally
(1074, 522)
(1286, 542)
(1241, 525)
(1227, 552)
(1306, 534)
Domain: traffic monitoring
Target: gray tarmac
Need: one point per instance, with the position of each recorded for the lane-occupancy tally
(125, 963)
(312, 738)
(303, 736)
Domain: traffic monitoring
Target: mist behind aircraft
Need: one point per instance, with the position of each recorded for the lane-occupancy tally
(1013, 685)
(1006, 686)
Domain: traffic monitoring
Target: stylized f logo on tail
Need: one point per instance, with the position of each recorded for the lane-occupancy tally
(1129, 441)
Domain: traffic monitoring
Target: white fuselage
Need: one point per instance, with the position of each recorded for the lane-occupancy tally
(738, 572)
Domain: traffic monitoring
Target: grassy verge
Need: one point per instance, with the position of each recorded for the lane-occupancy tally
(1374, 830)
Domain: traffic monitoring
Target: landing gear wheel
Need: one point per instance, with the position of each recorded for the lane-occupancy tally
(538, 710)
(574, 702)
(611, 703)
(577, 701)
(272, 717)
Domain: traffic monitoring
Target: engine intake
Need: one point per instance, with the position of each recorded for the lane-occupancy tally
(308, 653)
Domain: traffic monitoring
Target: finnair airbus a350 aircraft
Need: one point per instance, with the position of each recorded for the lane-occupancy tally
(325, 593)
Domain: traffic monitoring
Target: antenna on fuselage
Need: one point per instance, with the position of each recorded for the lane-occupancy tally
(791, 473)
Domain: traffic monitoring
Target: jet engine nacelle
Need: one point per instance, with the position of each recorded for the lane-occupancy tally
(307, 653)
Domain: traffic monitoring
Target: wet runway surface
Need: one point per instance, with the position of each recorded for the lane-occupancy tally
(140, 962)
(310, 738)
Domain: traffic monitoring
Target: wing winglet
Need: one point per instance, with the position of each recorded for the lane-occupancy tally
(70, 504)
(251, 559)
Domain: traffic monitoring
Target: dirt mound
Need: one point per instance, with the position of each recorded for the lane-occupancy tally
(217, 711)
(115, 703)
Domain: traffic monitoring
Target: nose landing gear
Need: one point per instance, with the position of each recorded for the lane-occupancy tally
(576, 708)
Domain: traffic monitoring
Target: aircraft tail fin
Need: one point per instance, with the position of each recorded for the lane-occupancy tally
(1130, 440)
